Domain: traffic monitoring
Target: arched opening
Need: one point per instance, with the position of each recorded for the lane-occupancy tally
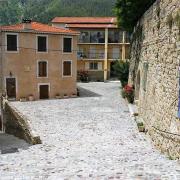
(137, 86)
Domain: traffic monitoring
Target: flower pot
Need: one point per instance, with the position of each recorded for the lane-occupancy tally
(58, 97)
(23, 99)
(65, 96)
(31, 98)
(73, 95)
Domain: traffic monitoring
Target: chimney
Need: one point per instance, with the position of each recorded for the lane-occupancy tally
(27, 24)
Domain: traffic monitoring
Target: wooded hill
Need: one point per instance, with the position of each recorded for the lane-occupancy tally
(12, 11)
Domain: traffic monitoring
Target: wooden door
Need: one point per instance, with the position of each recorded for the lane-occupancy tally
(11, 87)
(44, 91)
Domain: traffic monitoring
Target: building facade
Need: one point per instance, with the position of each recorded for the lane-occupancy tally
(100, 44)
(155, 73)
(37, 61)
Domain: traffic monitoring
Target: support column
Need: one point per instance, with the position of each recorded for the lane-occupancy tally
(124, 46)
(106, 56)
(1, 83)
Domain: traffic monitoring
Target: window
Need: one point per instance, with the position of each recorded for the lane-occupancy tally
(42, 43)
(42, 69)
(12, 42)
(67, 68)
(67, 45)
(93, 66)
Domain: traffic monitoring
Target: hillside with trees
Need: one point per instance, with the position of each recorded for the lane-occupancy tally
(12, 11)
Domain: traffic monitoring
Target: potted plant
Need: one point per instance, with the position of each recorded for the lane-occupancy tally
(65, 95)
(23, 99)
(74, 95)
(58, 96)
(31, 97)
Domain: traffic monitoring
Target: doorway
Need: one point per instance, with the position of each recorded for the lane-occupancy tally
(11, 88)
(112, 70)
(44, 91)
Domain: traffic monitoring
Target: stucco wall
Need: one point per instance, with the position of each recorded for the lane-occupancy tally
(23, 65)
(155, 56)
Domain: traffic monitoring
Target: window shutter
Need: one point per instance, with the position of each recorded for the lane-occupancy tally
(86, 66)
(99, 65)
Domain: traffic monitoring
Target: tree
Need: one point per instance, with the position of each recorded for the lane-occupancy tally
(45, 10)
(130, 11)
(10, 12)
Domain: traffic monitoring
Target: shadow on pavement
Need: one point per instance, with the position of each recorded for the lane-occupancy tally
(11, 144)
(87, 93)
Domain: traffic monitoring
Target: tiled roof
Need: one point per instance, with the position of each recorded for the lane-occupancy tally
(39, 28)
(91, 26)
(87, 20)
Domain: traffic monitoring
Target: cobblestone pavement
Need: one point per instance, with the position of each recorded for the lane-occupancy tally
(86, 138)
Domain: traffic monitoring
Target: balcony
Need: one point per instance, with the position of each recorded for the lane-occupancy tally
(115, 36)
(90, 55)
(96, 37)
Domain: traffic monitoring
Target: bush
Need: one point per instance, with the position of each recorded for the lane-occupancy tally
(121, 69)
(83, 76)
(128, 93)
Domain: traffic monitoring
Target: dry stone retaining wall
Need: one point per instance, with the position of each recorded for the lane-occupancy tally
(155, 56)
(16, 124)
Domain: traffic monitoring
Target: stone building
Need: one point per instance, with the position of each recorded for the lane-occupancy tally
(37, 61)
(154, 70)
(100, 44)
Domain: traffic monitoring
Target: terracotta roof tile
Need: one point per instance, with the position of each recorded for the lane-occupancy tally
(87, 20)
(91, 26)
(38, 27)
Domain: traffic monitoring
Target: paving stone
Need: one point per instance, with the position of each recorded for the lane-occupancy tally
(86, 138)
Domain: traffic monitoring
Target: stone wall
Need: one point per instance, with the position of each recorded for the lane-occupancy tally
(16, 124)
(155, 56)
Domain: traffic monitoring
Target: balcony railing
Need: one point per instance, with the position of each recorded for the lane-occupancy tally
(92, 37)
(90, 55)
(115, 56)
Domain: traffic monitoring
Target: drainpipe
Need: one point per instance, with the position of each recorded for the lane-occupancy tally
(106, 56)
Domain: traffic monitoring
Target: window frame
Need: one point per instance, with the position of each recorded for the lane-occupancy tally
(39, 35)
(93, 66)
(46, 69)
(71, 45)
(17, 35)
(66, 76)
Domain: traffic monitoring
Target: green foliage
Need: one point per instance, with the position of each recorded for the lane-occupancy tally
(10, 12)
(121, 69)
(140, 124)
(128, 93)
(45, 10)
(130, 11)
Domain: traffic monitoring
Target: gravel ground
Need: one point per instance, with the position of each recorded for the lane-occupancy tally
(92, 137)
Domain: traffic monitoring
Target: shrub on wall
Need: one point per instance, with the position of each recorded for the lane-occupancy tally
(121, 69)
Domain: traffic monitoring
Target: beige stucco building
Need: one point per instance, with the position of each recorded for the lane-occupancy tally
(37, 60)
(100, 44)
